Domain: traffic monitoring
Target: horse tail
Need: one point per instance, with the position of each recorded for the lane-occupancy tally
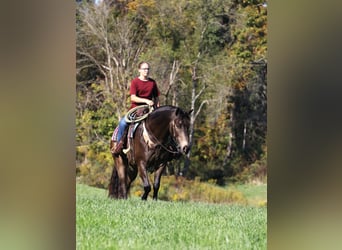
(113, 187)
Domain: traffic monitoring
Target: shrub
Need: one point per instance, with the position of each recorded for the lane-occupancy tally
(180, 189)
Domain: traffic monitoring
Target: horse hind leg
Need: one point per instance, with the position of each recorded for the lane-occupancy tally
(113, 187)
(117, 186)
(122, 178)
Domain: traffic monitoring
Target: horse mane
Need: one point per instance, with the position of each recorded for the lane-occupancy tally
(164, 108)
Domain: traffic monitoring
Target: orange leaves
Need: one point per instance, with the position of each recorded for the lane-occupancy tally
(134, 5)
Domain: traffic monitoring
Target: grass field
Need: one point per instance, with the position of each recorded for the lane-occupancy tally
(102, 223)
(255, 194)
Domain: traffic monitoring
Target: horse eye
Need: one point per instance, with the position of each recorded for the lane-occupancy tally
(178, 124)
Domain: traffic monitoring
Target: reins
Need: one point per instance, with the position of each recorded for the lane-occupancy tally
(158, 142)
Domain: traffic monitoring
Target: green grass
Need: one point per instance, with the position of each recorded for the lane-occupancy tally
(103, 223)
(255, 194)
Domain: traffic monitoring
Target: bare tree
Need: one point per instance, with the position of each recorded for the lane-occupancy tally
(195, 112)
(112, 43)
(173, 77)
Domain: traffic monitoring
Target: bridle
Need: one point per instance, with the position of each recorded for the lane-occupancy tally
(171, 140)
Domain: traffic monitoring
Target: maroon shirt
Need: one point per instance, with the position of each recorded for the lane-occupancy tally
(144, 89)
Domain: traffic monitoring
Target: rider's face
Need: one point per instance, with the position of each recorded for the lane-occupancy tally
(144, 69)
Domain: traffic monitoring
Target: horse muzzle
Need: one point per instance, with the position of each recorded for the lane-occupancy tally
(184, 150)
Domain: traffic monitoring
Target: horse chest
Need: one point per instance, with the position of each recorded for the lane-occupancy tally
(156, 158)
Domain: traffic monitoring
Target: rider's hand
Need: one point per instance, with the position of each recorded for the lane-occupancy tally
(150, 102)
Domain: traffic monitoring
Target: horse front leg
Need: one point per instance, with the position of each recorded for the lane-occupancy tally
(157, 177)
(131, 174)
(144, 178)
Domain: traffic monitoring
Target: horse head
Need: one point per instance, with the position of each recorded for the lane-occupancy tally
(179, 129)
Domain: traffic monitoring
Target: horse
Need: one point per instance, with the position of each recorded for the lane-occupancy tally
(158, 139)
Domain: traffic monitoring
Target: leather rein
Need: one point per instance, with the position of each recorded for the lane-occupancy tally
(160, 143)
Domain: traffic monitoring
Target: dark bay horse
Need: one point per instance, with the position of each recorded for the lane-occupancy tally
(160, 138)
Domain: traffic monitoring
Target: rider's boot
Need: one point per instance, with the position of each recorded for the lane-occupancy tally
(119, 145)
(112, 146)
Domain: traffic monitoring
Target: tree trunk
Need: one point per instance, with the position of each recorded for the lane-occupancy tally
(193, 114)
(244, 136)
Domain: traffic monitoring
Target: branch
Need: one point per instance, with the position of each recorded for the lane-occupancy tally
(200, 107)
(92, 59)
(105, 67)
(84, 67)
(184, 84)
(173, 74)
(201, 91)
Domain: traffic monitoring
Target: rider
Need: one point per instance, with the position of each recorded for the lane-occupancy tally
(143, 91)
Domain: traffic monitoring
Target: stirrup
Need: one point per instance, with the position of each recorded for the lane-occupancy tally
(125, 151)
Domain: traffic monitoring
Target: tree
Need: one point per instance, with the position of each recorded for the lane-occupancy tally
(209, 56)
(248, 99)
(112, 43)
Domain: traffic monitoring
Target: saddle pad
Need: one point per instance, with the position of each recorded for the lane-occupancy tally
(115, 134)
(132, 129)
(131, 132)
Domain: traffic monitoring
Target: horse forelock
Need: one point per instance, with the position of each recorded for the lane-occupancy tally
(184, 117)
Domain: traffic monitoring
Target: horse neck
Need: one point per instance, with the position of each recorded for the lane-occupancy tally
(159, 125)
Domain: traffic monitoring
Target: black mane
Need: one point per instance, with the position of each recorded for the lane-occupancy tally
(164, 108)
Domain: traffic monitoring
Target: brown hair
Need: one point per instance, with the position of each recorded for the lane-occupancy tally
(141, 63)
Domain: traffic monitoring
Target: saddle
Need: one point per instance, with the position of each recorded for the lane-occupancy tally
(129, 136)
(134, 118)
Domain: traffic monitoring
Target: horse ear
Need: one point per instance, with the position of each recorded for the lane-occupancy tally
(190, 111)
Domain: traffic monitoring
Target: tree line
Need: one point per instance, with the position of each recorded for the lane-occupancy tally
(206, 55)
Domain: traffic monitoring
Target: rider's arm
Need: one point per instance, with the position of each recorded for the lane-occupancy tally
(137, 99)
